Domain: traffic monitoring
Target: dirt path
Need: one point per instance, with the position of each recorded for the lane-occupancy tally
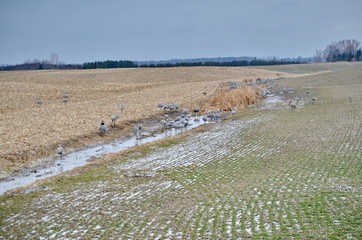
(267, 173)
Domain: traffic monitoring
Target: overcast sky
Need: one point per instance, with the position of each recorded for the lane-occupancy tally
(90, 30)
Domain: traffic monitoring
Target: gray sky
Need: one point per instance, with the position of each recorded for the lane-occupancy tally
(89, 30)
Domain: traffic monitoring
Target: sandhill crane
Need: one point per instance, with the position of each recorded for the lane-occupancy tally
(169, 108)
(292, 105)
(350, 98)
(102, 128)
(122, 107)
(217, 116)
(213, 116)
(178, 119)
(185, 111)
(164, 123)
(60, 150)
(114, 118)
(314, 100)
(167, 123)
(138, 131)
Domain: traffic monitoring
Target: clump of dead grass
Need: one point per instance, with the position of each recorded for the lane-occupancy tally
(230, 99)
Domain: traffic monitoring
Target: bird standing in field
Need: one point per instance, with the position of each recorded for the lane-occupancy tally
(114, 118)
(65, 98)
(60, 150)
(102, 128)
(197, 110)
(292, 105)
(138, 131)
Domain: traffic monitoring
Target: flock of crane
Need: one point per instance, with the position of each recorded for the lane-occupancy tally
(293, 105)
(182, 119)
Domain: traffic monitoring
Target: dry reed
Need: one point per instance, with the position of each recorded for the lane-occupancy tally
(229, 99)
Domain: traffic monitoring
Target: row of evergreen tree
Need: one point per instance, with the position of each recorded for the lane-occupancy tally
(109, 64)
(349, 57)
(236, 63)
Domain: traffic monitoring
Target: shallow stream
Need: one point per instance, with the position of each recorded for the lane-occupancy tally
(83, 157)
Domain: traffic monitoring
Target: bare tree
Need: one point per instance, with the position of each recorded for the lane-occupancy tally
(54, 57)
(348, 46)
(318, 56)
(341, 50)
(330, 51)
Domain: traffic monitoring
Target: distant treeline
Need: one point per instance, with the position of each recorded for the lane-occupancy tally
(109, 64)
(38, 66)
(236, 63)
(131, 64)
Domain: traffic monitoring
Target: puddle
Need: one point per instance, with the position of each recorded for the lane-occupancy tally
(83, 157)
(272, 102)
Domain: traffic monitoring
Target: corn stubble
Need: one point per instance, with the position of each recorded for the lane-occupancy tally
(30, 131)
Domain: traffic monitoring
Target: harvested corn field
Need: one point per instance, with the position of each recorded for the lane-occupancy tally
(36, 116)
(272, 172)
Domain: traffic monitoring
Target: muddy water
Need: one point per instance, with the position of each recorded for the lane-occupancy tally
(83, 157)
